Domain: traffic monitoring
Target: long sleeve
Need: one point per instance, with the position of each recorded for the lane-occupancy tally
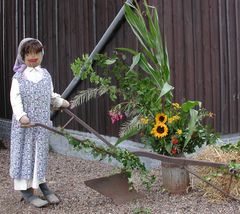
(16, 101)
(56, 100)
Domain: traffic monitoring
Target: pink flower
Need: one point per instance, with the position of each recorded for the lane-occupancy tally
(115, 116)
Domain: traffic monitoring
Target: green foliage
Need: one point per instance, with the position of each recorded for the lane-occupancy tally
(231, 147)
(153, 59)
(233, 166)
(142, 84)
(229, 150)
(128, 160)
(144, 91)
(235, 169)
(81, 66)
(104, 83)
(142, 210)
(144, 95)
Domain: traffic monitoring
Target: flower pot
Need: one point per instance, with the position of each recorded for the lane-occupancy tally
(175, 179)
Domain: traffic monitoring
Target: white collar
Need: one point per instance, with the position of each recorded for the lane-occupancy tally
(29, 69)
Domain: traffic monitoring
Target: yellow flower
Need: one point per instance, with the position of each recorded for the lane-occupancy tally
(176, 105)
(176, 117)
(144, 120)
(161, 118)
(173, 118)
(170, 120)
(160, 130)
(179, 131)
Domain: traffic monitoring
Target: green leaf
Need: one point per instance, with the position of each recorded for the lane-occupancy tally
(138, 26)
(110, 61)
(190, 105)
(166, 88)
(191, 125)
(136, 59)
(129, 50)
(168, 147)
(137, 23)
(143, 63)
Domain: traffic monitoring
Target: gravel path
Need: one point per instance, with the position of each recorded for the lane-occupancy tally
(66, 176)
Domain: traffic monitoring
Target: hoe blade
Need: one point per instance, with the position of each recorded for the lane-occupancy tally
(115, 187)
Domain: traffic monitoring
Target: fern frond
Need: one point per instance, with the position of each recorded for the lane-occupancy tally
(129, 129)
(86, 95)
(134, 123)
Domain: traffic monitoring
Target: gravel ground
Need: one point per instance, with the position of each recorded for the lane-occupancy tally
(66, 176)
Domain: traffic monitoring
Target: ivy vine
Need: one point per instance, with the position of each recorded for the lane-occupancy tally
(129, 161)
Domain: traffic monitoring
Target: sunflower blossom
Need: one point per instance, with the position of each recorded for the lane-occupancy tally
(161, 118)
(160, 130)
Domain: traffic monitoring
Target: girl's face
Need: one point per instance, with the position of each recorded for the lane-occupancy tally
(33, 59)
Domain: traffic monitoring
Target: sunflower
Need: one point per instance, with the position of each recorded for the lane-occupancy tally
(160, 130)
(161, 118)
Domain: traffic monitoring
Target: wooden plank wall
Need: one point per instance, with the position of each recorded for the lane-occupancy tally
(202, 36)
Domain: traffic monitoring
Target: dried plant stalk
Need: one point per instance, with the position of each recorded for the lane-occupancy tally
(217, 176)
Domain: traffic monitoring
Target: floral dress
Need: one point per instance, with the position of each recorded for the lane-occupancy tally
(29, 146)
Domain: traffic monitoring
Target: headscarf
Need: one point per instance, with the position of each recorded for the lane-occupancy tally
(20, 65)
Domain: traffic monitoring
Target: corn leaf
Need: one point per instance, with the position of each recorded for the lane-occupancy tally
(191, 125)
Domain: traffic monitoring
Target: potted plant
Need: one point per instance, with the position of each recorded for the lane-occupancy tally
(144, 89)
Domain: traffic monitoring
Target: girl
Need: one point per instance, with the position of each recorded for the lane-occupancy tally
(31, 96)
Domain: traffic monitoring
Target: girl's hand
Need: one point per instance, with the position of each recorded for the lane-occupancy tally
(24, 120)
(65, 104)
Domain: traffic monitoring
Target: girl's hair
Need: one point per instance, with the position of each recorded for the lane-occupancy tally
(31, 46)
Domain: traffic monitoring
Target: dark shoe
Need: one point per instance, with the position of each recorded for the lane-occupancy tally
(49, 195)
(33, 199)
(52, 198)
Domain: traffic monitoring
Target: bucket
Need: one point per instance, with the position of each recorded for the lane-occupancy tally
(175, 179)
